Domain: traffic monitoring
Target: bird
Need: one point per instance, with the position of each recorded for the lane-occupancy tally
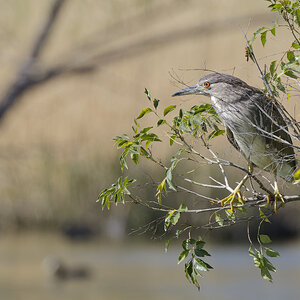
(59, 270)
(253, 125)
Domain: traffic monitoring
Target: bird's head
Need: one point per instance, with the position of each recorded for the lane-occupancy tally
(213, 85)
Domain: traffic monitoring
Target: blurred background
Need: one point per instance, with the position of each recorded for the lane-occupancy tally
(73, 75)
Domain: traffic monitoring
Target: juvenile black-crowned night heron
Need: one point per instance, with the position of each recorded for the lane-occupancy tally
(254, 126)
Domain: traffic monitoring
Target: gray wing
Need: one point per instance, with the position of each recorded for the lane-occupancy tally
(233, 142)
(273, 122)
(231, 138)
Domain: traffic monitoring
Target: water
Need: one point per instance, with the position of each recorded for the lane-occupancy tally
(137, 271)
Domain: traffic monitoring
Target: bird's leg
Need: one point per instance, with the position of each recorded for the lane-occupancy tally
(277, 196)
(237, 192)
(234, 194)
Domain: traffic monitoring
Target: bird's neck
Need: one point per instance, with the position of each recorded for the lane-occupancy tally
(216, 104)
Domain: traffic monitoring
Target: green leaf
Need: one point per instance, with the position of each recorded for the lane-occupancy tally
(291, 74)
(201, 252)
(160, 188)
(272, 67)
(276, 7)
(182, 207)
(201, 265)
(273, 31)
(148, 94)
(172, 138)
(183, 255)
(144, 130)
(181, 112)
(123, 161)
(264, 239)
(261, 262)
(191, 273)
(297, 16)
(169, 180)
(265, 268)
(134, 129)
(265, 274)
(188, 267)
(144, 112)
(280, 86)
(230, 215)
(172, 217)
(161, 122)
(169, 109)
(200, 244)
(256, 33)
(167, 245)
(185, 244)
(251, 253)
(295, 45)
(192, 241)
(155, 103)
(135, 158)
(290, 56)
(116, 192)
(270, 252)
(288, 94)
(268, 264)
(216, 133)
(263, 216)
(263, 37)
(219, 219)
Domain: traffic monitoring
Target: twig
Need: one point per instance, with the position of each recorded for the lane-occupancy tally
(221, 168)
(262, 75)
(195, 193)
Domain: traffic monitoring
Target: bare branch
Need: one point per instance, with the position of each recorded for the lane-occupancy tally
(24, 78)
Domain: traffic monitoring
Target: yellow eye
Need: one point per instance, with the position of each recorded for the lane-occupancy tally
(206, 84)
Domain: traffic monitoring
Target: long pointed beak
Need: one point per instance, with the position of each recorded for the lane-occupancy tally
(190, 90)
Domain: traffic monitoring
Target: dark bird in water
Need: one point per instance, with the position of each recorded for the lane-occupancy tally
(254, 126)
(59, 270)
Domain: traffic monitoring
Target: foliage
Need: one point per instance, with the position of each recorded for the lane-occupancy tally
(195, 263)
(260, 260)
(288, 64)
(201, 123)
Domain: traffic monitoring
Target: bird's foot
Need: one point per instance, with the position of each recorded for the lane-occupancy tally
(273, 199)
(235, 195)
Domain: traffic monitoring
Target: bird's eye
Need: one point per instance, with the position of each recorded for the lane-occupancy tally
(206, 84)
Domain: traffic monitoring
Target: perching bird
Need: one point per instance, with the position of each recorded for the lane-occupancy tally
(254, 126)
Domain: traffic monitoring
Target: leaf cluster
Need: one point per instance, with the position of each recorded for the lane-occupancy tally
(259, 257)
(288, 65)
(193, 251)
(198, 121)
(116, 192)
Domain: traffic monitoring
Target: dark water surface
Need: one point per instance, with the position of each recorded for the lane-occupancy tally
(137, 271)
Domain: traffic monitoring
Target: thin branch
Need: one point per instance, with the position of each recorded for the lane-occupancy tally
(195, 193)
(291, 26)
(262, 75)
(255, 201)
(222, 170)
